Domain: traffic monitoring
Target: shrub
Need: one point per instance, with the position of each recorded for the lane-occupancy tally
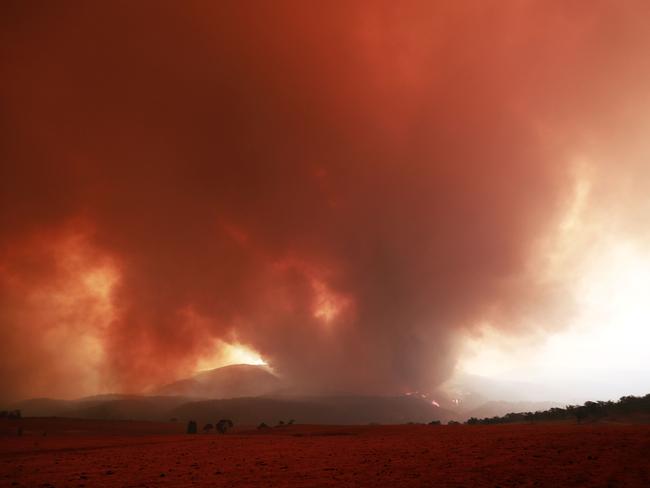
(223, 425)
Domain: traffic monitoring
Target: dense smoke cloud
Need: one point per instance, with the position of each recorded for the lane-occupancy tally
(343, 187)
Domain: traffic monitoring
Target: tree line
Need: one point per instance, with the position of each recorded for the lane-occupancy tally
(224, 425)
(10, 414)
(626, 405)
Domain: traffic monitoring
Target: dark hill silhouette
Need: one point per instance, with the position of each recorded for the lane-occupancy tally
(104, 407)
(245, 411)
(128, 408)
(316, 410)
(248, 395)
(46, 407)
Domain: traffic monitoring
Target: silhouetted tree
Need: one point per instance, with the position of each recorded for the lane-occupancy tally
(223, 425)
(280, 423)
(581, 413)
(207, 428)
(263, 426)
(291, 422)
(434, 422)
(191, 427)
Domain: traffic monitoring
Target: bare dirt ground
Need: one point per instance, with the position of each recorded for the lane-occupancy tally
(138, 454)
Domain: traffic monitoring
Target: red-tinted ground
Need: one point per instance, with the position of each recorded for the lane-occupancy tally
(90, 454)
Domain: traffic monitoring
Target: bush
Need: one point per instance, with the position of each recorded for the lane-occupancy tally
(581, 413)
(11, 414)
(223, 425)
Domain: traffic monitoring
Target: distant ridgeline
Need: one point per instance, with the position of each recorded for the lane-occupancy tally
(627, 408)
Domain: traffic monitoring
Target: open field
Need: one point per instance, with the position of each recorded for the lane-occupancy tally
(98, 453)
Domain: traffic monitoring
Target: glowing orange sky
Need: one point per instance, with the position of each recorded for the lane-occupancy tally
(348, 189)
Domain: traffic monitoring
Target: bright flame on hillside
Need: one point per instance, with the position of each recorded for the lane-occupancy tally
(230, 353)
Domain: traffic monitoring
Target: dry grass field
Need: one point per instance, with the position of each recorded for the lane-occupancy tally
(86, 453)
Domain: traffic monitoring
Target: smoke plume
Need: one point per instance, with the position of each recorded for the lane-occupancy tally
(344, 187)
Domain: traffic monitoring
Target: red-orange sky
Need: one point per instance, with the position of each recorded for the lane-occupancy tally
(344, 187)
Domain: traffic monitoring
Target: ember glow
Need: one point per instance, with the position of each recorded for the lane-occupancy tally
(366, 196)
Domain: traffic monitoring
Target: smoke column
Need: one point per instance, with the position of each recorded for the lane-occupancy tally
(344, 187)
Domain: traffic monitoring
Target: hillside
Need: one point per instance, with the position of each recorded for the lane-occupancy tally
(249, 411)
(237, 380)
